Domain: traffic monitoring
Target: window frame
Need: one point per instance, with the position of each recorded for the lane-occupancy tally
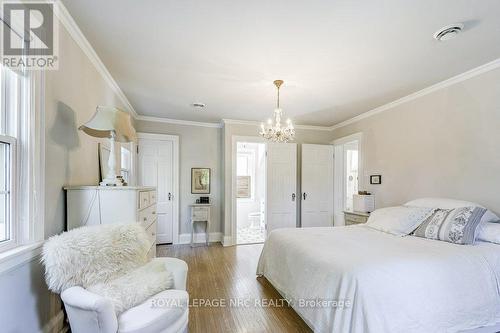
(25, 134)
(12, 194)
(251, 157)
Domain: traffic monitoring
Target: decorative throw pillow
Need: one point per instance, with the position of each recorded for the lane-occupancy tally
(400, 220)
(136, 286)
(458, 225)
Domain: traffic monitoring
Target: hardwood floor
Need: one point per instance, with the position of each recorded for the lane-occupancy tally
(223, 274)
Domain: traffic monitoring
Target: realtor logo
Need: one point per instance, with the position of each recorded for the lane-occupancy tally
(29, 32)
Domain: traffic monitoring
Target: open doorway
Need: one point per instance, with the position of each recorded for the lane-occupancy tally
(348, 174)
(250, 192)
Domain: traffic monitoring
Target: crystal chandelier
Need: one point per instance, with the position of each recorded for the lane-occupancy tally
(276, 132)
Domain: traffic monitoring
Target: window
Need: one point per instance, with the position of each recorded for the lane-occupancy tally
(351, 172)
(125, 164)
(245, 173)
(21, 162)
(11, 85)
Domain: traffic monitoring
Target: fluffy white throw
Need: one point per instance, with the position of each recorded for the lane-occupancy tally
(136, 286)
(90, 255)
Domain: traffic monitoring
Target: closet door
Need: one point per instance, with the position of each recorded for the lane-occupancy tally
(156, 169)
(281, 186)
(317, 186)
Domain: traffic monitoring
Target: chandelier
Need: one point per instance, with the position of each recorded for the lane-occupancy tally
(275, 131)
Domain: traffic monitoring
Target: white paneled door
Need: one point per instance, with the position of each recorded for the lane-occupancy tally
(281, 186)
(156, 168)
(317, 186)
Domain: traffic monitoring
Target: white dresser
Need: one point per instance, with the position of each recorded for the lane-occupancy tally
(89, 205)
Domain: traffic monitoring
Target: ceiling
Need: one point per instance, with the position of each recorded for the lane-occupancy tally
(338, 58)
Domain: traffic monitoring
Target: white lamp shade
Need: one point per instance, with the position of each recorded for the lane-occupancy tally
(109, 119)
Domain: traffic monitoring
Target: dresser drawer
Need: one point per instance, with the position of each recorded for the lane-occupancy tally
(143, 199)
(199, 214)
(152, 197)
(354, 219)
(147, 216)
(151, 231)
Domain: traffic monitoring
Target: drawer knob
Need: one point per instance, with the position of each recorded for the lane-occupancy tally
(145, 219)
(153, 213)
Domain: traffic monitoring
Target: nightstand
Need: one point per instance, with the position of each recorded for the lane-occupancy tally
(352, 217)
(200, 213)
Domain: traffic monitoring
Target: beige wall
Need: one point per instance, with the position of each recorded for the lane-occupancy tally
(230, 130)
(71, 95)
(446, 144)
(198, 147)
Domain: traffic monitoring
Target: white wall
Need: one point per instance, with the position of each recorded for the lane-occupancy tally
(198, 147)
(444, 144)
(71, 95)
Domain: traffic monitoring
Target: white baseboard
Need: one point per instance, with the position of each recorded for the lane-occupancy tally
(55, 324)
(227, 241)
(200, 238)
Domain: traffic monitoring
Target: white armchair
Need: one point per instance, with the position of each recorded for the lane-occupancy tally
(164, 312)
(67, 257)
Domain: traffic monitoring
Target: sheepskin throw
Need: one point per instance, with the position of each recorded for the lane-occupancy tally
(136, 286)
(96, 254)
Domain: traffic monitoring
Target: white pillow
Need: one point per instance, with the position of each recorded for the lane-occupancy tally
(445, 203)
(489, 232)
(400, 220)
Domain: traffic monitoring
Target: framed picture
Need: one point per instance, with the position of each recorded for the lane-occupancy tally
(376, 179)
(200, 180)
(243, 189)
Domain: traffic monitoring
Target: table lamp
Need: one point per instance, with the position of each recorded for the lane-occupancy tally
(113, 123)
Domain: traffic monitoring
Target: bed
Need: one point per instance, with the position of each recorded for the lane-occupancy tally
(370, 281)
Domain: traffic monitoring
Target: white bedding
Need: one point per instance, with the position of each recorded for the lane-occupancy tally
(395, 284)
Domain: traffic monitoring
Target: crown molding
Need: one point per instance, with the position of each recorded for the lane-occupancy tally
(257, 123)
(178, 121)
(435, 87)
(74, 31)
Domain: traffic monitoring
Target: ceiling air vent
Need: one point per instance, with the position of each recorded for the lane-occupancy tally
(449, 32)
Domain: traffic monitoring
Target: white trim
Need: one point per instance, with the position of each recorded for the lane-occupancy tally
(232, 224)
(178, 121)
(348, 138)
(176, 193)
(200, 237)
(227, 241)
(257, 123)
(443, 84)
(74, 31)
(38, 219)
(18, 256)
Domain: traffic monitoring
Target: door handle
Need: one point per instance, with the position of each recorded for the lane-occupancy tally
(169, 196)
(304, 195)
(293, 196)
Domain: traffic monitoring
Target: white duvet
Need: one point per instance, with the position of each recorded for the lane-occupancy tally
(394, 284)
